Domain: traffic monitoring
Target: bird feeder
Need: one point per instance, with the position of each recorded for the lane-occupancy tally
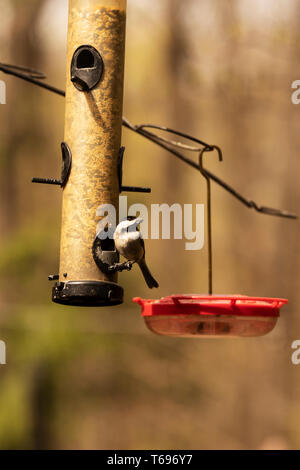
(210, 315)
(200, 315)
(93, 121)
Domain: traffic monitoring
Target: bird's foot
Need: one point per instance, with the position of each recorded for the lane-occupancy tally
(119, 267)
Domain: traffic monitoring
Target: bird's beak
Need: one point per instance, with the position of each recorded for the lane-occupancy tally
(138, 221)
(134, 223)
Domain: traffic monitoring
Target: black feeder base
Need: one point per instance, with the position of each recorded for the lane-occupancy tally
(87, 293)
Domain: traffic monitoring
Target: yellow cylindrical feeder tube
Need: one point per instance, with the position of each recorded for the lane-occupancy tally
(93, 124)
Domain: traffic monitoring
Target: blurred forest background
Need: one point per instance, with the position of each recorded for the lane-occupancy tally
(96, 378)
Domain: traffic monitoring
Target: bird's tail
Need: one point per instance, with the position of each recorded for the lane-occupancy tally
(151, 282)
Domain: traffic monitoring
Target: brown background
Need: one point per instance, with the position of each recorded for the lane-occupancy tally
(79, 378)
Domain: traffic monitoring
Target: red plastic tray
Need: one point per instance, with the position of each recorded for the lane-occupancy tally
(217, 315)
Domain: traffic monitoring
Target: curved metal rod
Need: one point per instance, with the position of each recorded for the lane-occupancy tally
(29, 75)
(209, 229)
(144, 127)
(13, 69)
(169, 145)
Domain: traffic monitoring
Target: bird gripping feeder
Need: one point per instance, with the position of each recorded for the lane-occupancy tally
(93, 121)
(92, 177)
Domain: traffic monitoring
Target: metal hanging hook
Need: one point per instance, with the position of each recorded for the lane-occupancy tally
(209, 229)
(169, 145)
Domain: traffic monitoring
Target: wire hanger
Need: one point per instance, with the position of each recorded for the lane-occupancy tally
(209, 227)
(29, 75)
(171, 146)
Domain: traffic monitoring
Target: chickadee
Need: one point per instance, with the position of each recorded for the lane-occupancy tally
(130, 244)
